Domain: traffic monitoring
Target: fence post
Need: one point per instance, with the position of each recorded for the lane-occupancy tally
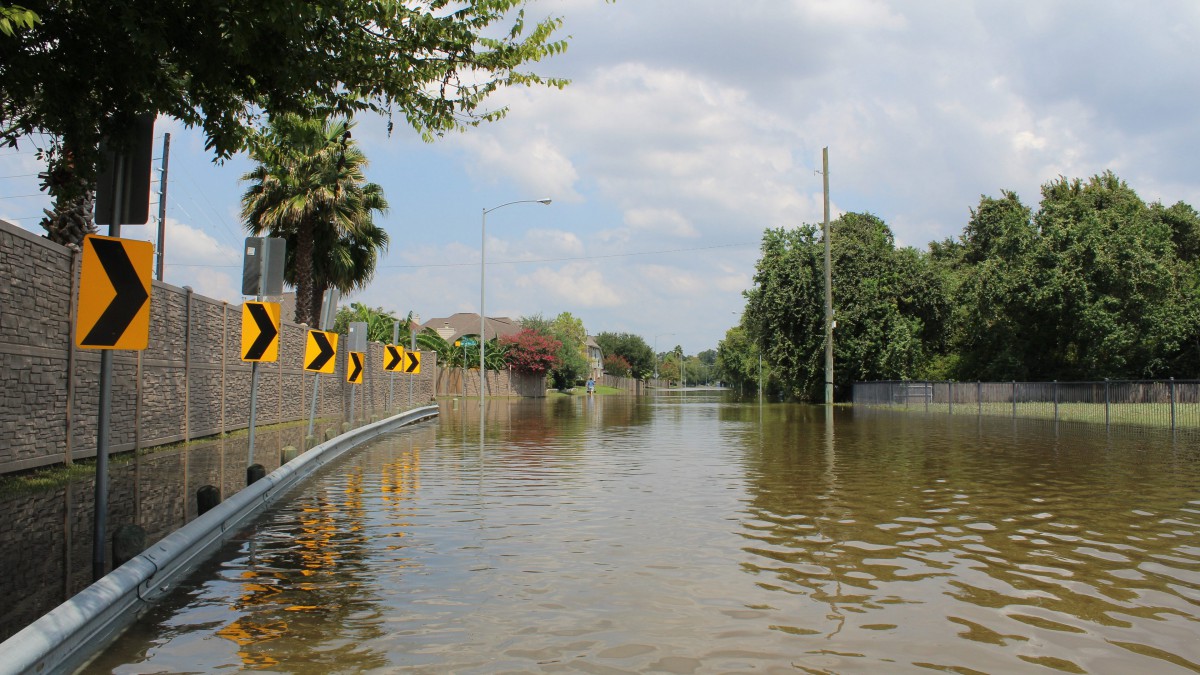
(927, 395)
(950, 397)
(1172, 404)
(979, 398)
(1056, 401)
(1107, 398)
(1014, 399)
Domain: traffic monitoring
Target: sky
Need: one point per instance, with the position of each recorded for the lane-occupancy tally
(691, 127)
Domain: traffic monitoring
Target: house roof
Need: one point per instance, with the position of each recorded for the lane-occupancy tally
(467, 323)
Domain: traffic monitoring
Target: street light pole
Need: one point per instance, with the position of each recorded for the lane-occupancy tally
(482, 285)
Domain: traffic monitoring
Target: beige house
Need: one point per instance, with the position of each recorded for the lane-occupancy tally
(595, 358)
(455, 326)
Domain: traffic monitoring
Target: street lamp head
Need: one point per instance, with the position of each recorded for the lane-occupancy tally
(545, 201)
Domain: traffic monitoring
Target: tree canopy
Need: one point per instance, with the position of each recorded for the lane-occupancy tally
(632, 348)
(309, 189)
(1094, 283)
(83, 71)
(570, 364)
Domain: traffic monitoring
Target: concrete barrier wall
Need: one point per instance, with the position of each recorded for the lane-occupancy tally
(193, 381)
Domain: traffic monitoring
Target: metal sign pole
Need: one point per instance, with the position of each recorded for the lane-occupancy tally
(262, 282)
(323, 323)
(100, 515)
(312, 408)
(413, 320)
(392, 374)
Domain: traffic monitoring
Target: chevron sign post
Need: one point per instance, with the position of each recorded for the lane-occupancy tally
(355, 367)
(319, 352)
(262, 273)
(260, 331)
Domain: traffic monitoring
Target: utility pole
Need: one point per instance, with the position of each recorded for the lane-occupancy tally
(162, 206)
(828, 285)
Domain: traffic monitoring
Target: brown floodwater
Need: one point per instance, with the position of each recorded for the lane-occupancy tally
(696, 534)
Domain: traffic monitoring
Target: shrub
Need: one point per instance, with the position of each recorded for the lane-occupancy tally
(531, 352)
(615, 364)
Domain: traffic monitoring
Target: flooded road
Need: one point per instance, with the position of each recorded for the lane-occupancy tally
(694, 534)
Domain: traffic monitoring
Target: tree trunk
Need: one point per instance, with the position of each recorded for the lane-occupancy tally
(73, 216)
(304, 275)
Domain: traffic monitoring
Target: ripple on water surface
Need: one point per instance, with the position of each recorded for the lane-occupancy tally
(700, 535)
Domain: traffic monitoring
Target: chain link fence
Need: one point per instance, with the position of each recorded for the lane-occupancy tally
(1164, 404)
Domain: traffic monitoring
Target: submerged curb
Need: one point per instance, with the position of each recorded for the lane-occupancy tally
(72, 632)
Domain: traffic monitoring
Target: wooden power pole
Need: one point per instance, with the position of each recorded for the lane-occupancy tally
(828, 286)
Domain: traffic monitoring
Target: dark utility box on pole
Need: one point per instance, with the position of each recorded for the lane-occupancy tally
(125, 166)
(262, 266)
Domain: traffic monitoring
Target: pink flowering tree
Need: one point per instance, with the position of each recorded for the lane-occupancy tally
(531, 352)
(615, 364)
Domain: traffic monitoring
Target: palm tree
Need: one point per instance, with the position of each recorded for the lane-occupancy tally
(346, 263)
(309, 188)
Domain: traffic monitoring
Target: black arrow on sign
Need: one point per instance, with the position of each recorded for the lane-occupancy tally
(266, 332)
(357, 372)
(414, 361)
(327, 351)
(128, 301)
(394, 354)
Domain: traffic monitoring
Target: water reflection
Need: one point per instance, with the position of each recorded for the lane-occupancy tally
(1045, 547)
(693, 534)
(46, 551)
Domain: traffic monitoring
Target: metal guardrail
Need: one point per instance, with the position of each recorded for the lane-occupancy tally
(74, 631)
(1168, 404)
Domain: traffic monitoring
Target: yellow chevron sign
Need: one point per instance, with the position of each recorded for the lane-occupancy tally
(260, 331)
(354, 367)
(319, 351)
(412, 363)
(114, 294)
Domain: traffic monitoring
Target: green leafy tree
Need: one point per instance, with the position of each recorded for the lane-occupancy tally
(1095, 284)
(309, 187)
(84, 71)
(668, 366)
(1001, 324)
(16, 17)
(885, 306)
(632, 348)
(571, 365)
(379, 321)
(737, 360)
(784, 311)
(1112, 277)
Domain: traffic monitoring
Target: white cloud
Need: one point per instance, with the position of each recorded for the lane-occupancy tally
(663, 220)
(696, 128)
(532, 162)
(574, 286)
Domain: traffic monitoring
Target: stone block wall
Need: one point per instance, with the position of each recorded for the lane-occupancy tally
(193, 382)
(450, 382)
